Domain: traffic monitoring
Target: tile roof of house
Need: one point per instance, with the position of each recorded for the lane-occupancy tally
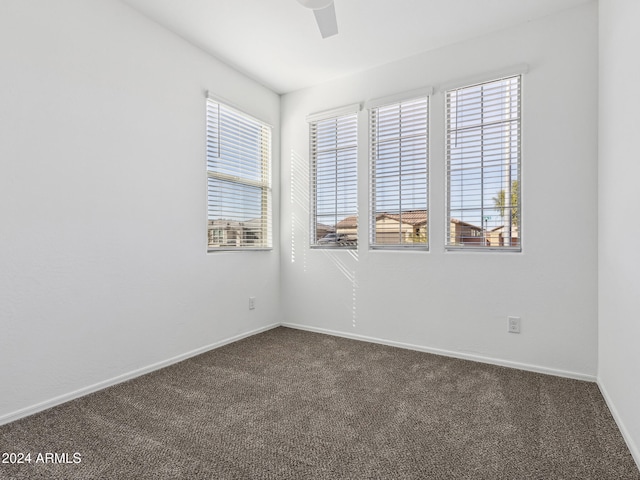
(348, 222)
(460, 222)
(321, 227)
(411, 217)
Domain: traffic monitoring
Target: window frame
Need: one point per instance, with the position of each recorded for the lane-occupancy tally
(373, 107)
(349, 116)
(236, 182)
(517, 74)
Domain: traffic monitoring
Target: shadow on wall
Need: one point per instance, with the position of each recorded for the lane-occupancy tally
(300, 207)
(349, 273)
(344, 261)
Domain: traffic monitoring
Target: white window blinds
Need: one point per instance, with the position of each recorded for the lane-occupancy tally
(334, 219)
(483, 165)
(398, 141)
(239, 179)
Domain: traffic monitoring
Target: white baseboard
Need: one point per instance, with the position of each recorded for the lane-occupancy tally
(24, 412)
(449, 353)
(633, 447)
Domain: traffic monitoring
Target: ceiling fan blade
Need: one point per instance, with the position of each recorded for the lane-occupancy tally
(327, 23)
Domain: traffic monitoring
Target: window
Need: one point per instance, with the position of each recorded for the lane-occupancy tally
(483, 165)
(334, 202)
(239, 180)
(398, 139)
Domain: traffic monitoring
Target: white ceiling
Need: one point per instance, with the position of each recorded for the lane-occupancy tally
(277, 42)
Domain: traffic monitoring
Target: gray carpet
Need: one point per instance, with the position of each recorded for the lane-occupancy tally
(293, 405)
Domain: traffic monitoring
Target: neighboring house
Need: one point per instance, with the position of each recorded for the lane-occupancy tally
(323, 230)
(397, 229)
(463, 233)
(348, 227)
(232, 233)
(224, 233)
(497, 236)
(391, 228)
(411, 227)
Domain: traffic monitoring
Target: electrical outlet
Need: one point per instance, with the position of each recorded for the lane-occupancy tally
(252, 303)
(513, 325)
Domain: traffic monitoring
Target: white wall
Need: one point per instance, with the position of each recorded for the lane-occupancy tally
(619, 278)
(103, 257)
(459, 302)
(102, 203)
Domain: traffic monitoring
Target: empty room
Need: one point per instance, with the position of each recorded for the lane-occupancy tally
(319, 239)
